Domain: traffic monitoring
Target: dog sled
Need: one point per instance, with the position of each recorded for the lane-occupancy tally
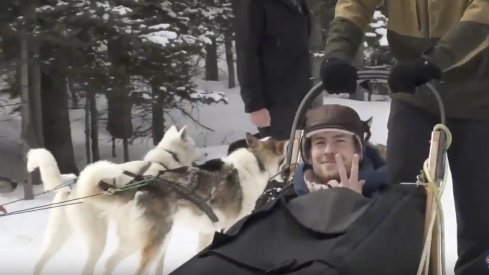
(338, 231)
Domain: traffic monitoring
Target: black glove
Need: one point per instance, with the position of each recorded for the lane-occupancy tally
(406, 77)
(338, 76)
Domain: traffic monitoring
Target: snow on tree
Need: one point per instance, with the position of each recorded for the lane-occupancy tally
(110, 47)
(376, 46)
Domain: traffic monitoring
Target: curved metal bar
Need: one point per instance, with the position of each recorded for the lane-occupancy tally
(298, 122)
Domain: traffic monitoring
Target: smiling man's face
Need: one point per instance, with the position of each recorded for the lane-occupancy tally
(324, 146)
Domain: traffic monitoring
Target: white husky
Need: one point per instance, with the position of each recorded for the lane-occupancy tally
(92, 216)
(145, 217)
(256, 165)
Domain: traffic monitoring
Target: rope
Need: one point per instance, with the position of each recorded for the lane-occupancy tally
(66, 202)
(282, 170)
(64, 184)
(38, 209)
(130, 186)
(436, 212)
(447, 132)
(51, 205)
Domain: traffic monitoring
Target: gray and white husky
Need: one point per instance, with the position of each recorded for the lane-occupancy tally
(91, 218)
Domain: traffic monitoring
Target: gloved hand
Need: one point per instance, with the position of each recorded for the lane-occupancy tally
(406, 77)
(338, 76)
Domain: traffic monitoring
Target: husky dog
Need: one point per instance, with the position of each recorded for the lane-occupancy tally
(256, 164)
(91, 217)
(236, 181)
(240, 143)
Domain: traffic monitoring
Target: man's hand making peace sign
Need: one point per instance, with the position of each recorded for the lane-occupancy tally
(350, 182)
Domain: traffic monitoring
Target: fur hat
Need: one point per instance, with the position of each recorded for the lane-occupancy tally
(332, 117)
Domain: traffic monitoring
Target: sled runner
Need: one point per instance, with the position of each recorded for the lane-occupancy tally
(337, 231)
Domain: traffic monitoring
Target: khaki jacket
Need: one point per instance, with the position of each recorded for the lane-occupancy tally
(453, 34)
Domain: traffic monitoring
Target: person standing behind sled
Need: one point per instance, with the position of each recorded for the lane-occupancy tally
(446, 42)
(273, 60)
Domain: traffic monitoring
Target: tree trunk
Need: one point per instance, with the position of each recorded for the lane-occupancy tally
(29, 72)
(35, 91)
(87, 130)
(114, 155)
(119, 117)
(74, 97)
(211, 69)
(126, 149)
(158, 119)
(28, 132)
(56, 119)
(228, 44)
(94, 125)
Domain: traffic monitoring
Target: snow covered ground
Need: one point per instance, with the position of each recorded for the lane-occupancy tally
(21, 236)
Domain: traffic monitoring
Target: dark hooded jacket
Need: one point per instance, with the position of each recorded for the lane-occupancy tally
(272, 51)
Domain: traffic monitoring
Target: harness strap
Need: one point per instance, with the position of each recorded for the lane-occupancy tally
(173, 155)
(139, 175)
(188, 194)
(162, 165)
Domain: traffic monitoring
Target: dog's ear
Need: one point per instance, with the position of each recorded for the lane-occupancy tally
(183, 133)
(212, 165)
(366, 128)
(251, 140)
(368, 122)
(280, 147)
(241, 143)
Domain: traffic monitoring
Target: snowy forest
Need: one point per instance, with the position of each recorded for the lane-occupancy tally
(140, 57)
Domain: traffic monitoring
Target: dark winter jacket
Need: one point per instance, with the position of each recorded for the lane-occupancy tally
(454, 35)
(272, 50)
(345, 234)
(372, 170)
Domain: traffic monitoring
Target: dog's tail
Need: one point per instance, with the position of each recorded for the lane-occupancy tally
(45, 161)
(90, 177)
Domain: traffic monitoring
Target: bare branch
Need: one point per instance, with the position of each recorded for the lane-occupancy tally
(194, 120)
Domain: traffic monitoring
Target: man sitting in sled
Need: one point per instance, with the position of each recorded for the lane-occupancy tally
(328, 232)
(336, 154)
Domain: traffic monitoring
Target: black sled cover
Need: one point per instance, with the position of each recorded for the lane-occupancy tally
(327, 232)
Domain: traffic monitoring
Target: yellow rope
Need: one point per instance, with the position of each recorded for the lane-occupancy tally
(437, 209)
(448, 134)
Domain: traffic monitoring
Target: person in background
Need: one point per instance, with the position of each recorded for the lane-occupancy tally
(273, 60)
(447, 43)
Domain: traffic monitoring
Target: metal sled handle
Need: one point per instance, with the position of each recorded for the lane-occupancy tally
(297, 124)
